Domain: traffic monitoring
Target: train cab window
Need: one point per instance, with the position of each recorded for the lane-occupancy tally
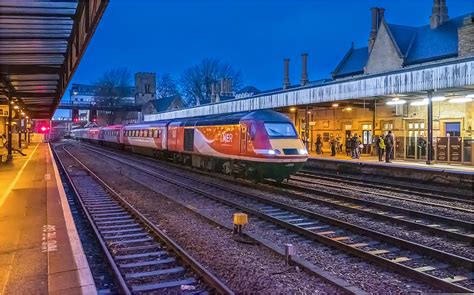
(280, 130)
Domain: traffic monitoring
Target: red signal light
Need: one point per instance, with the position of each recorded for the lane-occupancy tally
(44, 129)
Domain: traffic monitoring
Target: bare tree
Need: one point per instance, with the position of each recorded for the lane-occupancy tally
(166, 86)
(196, 81)
(111, 89)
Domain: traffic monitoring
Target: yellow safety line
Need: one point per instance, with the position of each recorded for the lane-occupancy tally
(7, 192)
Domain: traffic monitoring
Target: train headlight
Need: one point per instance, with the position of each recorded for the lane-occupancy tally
(271, 152)
(303, 152)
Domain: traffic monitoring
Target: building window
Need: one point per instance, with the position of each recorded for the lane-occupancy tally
(453, 129)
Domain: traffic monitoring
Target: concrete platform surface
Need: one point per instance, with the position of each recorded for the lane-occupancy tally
(460, 176)
(371, 160)
(40, 250)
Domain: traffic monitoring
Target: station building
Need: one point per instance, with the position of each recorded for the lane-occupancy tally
(417, 82)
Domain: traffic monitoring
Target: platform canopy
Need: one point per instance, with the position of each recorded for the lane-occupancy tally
(41, 45)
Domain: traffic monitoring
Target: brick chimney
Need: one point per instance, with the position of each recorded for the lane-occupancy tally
(466, 37)
(304, 69)
(439, 14)
(286, 73)
(377, 16)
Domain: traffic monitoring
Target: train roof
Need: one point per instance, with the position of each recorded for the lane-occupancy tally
(226, 119)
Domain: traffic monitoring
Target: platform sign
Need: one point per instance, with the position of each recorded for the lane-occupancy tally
(455, 146)
(442, 149)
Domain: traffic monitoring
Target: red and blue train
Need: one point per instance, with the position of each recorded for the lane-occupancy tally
(254, 145)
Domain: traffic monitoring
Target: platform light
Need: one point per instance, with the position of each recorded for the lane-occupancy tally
(292, 109)
(438, 98)
(460, 100)
(347, 109)
(335, 105)
(16, 107)
(420, 102)
(396, 101)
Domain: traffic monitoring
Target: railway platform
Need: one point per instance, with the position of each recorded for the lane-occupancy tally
(40, 250)
(453, 175)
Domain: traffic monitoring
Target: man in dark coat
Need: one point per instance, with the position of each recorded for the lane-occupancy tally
(388, 146)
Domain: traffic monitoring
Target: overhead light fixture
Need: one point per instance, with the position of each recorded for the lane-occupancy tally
(335, 105)
(438, 98)
(461, 100)
(396, 101)
(292, 109)
(27, 117)
(16, 107)
(347, 109)
(420, 102)
(309, 112)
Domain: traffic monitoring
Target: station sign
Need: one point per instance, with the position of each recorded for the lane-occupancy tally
(442, 149)
(455, 152)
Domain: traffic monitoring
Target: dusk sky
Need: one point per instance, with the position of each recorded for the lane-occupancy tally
(168, 36)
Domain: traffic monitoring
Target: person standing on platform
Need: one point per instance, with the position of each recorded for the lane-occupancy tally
(348, 145)
(319, 145)
(381, 147)
(333, 143)
(388, 140)
(355, 146)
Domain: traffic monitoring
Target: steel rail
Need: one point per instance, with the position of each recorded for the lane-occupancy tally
(417, 248)
(195, 266)
(397, 187)
(468, 226)
(276, 189)
(393, 197)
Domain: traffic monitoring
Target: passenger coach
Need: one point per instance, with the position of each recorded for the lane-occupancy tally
(259, 144)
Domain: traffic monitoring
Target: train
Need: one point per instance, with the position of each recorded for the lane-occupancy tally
(254, 145)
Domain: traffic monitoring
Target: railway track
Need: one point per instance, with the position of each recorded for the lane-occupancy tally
(440, 225)
(440, 269)
(312, 180)
(142, 257)
(395, 188)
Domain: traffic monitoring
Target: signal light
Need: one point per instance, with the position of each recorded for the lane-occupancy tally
(44, 129)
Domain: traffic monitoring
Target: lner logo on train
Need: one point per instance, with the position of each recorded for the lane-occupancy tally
(226, 138)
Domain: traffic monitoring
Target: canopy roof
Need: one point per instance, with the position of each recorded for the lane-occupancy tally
(41, 44)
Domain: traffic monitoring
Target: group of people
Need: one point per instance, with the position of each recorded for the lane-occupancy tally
(385, 145)
(354, 146)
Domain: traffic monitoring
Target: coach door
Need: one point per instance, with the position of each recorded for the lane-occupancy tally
(189, 139)
(243, 139)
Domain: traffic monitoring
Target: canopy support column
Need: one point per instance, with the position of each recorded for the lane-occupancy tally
(429, 157)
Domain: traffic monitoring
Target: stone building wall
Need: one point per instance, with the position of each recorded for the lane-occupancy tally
(466, 38)
(384, 55)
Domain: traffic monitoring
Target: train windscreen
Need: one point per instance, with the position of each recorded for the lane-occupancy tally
(280, 130)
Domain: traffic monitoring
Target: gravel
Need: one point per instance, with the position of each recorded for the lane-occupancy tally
(369, 277)
(346, 189)
(244, 268)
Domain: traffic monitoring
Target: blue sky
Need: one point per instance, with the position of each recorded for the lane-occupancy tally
(252, 35)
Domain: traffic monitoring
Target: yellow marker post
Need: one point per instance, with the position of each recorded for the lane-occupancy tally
(240, 221)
